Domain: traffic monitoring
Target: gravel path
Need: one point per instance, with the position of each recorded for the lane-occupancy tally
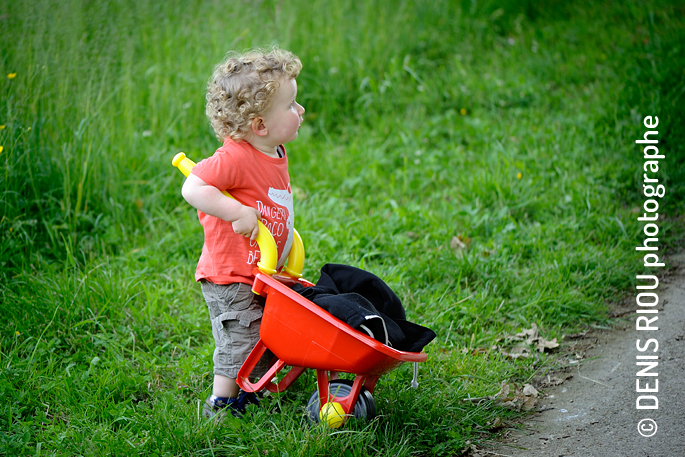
(594, 412)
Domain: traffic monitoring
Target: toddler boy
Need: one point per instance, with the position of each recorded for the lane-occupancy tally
(252, 108)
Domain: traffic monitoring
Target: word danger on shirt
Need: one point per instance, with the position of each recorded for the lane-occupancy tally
(277, 218)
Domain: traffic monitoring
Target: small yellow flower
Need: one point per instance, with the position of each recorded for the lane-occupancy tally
(17, 333)
(1, 149)
(519, 175)
(463, 111)
(2, 127)
(11, 75)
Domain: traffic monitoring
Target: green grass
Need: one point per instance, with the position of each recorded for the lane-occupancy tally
(509, 124)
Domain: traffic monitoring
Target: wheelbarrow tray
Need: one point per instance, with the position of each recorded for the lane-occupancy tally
(302, 334)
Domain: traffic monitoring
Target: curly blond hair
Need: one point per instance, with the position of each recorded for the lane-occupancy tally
(242, 88)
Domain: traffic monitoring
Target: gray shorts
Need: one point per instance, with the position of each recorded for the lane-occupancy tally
(236, 313)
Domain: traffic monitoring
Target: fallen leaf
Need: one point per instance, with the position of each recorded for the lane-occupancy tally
(504, 391)
(457, 245)
(529, 403)
(518, 352)
(529, 390)
(495, 424)
(528, 335)
(460, 244)
(541, 344)
(553, 381)
(527, 339)
(510, 396)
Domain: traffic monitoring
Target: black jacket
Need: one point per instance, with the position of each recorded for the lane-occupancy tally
(365, 302)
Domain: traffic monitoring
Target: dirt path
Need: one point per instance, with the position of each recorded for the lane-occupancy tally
(594, 412)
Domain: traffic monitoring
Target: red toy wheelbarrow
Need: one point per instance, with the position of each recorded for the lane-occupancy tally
(302, 335)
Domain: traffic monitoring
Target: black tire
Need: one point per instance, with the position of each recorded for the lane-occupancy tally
(364, 408)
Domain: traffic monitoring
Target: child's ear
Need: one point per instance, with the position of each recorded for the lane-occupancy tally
(258, 127)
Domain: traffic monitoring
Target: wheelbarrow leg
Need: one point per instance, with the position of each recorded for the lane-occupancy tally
(370, 383)
(347, 402)
(322, 384)
(265, 381)
(288, 379)
(337, 400)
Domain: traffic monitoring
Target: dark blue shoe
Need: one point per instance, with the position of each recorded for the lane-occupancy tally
(246, 398)
(217, 406)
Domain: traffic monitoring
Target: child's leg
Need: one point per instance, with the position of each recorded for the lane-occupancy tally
(235, 312)
(224, 387)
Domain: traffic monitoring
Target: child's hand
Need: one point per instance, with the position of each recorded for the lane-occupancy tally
(247, 223)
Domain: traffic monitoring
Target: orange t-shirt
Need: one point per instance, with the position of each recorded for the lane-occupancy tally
(256, 180)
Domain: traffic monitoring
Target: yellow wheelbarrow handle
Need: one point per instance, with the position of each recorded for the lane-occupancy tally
(267, 246)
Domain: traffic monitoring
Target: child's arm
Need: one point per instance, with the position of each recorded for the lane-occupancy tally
(210, 200)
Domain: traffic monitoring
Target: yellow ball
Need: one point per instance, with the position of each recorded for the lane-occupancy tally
(332, 414)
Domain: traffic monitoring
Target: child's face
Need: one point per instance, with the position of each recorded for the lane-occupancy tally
(284, 117)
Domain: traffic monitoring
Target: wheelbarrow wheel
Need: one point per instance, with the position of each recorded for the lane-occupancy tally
(364, 408)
